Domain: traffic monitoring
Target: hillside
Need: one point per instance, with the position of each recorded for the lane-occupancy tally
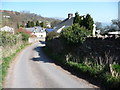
(12, 18)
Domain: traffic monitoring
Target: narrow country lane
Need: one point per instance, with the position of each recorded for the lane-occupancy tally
(31, 69)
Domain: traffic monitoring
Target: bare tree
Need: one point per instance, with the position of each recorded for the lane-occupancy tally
(98, 25)
(117, 22)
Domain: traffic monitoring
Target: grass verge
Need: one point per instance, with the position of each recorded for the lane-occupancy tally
(104, 80)
(6, 61)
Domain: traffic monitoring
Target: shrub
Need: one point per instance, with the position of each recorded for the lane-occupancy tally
(51, 35)
(7, 39)
(116, 67)
(24, 36)
(74, 34)
(10, 44)
(110, 82)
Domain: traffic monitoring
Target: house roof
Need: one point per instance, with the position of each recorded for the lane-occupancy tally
(7, 29)
(34, 29)
(49, 30)
(66, 22)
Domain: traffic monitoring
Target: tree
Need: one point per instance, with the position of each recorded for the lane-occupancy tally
(77, 18)
(89, 22)
(83, 21)
(86, 22)
(32, 24)
(117, 22)
(18, 25)
(22, 25)
(74, 35)
(42, 24)
(28, 24)
(98, 25)
(37, 23)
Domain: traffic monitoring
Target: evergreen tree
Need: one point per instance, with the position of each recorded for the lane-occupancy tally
(89, 22)
(77, 18)
(42, 24)
(37, 23)
(22, 25)
(32, 24)
(83, 21)
(18, 26)
(28, 24)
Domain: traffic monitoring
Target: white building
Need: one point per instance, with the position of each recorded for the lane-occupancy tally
(94, 30)
(7, 29)
(42, 34)
(37, 31)
(65, 23)
(48, 25)
(6, 16)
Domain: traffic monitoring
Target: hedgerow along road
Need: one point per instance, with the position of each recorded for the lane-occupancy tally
(32, 69)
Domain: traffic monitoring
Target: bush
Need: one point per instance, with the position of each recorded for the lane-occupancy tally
(7, 39)
(110, 82)
(24, 36)
(116, 67)
(86, 59)
(10, 44)
(51, 35)
(74, 34)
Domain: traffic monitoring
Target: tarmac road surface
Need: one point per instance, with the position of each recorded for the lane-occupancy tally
(32, 69)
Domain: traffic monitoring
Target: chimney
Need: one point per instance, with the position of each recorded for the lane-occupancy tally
(70, 15)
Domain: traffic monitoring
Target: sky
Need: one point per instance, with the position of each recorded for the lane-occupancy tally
(100, 11)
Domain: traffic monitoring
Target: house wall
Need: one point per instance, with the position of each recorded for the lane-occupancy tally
(42, 34)
(59, 30)
(7, 29)
(36, 39)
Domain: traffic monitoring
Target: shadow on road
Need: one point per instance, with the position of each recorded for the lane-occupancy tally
(45, 59)
(41, 56)
(42, 42)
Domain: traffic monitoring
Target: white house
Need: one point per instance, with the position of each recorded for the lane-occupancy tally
(7, 29)
(39, 34)
(48, 24)
(59, 30)
(37, 31)
(6, 16)
(65, 23)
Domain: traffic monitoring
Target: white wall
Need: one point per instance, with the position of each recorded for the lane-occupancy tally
(41, 34)
(35, 39)
(59, 30)
(7, 29)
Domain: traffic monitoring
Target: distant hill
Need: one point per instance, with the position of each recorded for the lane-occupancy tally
(12, 18)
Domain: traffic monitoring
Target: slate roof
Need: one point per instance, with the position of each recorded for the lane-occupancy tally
(49, 30)
(7, 29)
(36, 29)
(67, 22)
